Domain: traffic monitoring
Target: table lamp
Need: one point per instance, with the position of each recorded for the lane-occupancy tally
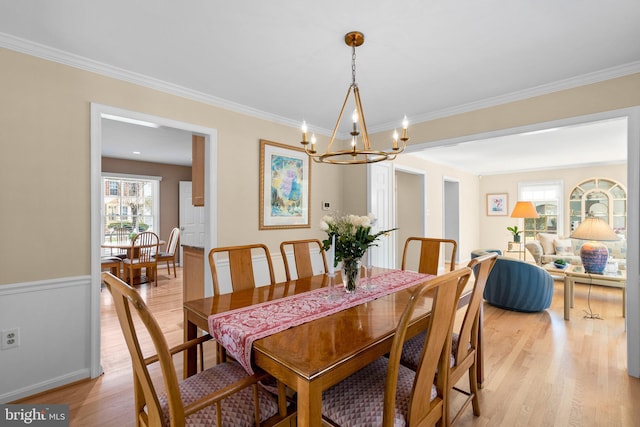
(594, 254)
(524, 210)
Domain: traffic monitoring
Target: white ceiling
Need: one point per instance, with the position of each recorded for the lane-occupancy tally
(286, 61)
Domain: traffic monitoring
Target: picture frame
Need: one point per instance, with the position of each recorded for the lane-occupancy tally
(497, 204)
(285, 186)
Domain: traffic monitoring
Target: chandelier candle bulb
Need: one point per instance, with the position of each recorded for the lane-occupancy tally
(354, 117)
(304, 132)
(405, 125)
(395, 139)
(313, 143)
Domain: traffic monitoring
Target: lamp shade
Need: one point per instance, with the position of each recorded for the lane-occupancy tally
(593, 228)
(593, 254)
(524, 210)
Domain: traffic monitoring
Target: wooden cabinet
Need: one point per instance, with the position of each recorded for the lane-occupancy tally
(197, 170)
(192, 273)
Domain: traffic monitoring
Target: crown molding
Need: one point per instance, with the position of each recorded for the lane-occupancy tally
(56, 55)
(582, 80)
(62, 57)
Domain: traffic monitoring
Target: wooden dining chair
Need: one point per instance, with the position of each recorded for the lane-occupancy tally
(464, 348)
(302, 257)
(241, 265)
(120, 235)
(144, 248)
(387, 393)
(169, 255)
(430, 250)
(111, 263)
(221, 395)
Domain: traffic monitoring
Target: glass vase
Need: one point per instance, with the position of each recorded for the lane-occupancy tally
(350, 274)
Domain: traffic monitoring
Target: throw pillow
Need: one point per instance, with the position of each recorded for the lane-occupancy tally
(546, 241)
(563, 247)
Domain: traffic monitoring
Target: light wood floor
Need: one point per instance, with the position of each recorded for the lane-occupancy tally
(540, 370)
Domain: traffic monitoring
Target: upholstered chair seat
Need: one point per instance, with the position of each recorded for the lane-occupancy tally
(358, 401)
(412, 348)
(237, 409)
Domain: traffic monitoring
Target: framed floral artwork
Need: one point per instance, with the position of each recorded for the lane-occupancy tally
(497, 204)
(285, 186)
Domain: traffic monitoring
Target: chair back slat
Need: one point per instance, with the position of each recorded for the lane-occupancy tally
(301, 257)
(430, 249)
(145, 246)
(172, 244)
(240, 265)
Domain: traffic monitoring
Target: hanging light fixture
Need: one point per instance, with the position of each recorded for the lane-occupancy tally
(361, 150)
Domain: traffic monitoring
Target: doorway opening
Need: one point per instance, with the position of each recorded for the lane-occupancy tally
(98, 114)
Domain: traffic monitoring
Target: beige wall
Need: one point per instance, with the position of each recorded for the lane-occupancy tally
(608, 95)
(493, 232)
(45, 133)
(169, 186)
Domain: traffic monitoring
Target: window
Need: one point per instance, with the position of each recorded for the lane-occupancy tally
(130, 202)
(113, 188)
(547, 197)
(602, 198)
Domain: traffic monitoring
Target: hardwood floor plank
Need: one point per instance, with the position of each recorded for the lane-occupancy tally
(540, 369)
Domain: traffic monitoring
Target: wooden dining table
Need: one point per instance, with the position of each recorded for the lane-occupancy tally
(315, 355)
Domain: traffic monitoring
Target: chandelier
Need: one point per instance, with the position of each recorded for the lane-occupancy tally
(361, 150)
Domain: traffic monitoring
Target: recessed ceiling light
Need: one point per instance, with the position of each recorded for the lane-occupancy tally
(130, 121)
(136, 152)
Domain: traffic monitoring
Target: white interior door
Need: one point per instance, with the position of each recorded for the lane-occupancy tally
(380, 179)
(192, 219)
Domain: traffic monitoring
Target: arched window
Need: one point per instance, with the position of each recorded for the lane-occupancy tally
(600, 197)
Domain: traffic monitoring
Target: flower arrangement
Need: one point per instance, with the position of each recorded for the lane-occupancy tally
(352, 235)
(349, 237)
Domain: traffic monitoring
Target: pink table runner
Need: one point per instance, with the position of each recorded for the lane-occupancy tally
(236, 330)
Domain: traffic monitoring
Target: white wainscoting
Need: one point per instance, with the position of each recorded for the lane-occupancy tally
(54, 321)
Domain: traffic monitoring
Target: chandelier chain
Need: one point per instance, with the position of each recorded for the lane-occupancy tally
(353, 65)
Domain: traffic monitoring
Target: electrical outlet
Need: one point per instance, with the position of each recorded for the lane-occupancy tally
(326, 206)
(10, 338)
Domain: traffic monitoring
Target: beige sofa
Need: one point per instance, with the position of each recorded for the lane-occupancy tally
(547, 248)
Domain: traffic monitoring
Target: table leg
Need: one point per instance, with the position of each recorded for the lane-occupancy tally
(309, 404)
(191, 354)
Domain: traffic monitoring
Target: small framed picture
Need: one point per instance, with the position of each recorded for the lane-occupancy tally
(497, 204)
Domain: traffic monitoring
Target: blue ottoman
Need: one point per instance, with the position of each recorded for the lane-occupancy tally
(517, 285)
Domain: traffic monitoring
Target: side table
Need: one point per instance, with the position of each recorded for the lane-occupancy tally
(576, 274)
(514, 248)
